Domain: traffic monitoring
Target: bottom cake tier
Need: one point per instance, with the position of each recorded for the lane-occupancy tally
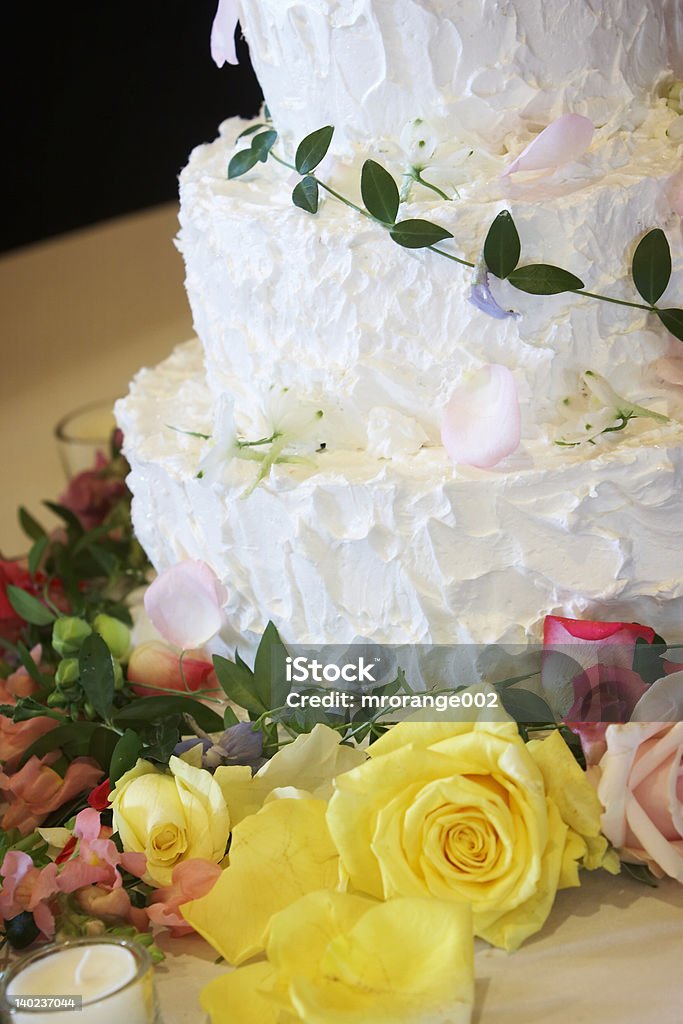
(409, 549)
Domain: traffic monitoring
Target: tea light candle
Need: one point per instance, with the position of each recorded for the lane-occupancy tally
(112, 978)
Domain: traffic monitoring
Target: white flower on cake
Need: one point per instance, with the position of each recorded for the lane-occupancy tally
(602, 410)
(284, 432)
(564, 139)
(481, 423)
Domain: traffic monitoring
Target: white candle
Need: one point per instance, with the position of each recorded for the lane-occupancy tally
(112, 978)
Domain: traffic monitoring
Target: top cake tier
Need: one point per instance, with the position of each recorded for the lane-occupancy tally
(370, 66)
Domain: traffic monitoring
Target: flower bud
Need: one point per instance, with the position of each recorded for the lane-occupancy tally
(67, 672)
(68, 634)
(115, 634)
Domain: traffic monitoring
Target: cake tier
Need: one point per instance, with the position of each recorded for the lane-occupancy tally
(331, 308)
(485, 66)
(408, 550)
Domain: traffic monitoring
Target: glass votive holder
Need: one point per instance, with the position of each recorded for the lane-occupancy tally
(83, 433)
(105, 980)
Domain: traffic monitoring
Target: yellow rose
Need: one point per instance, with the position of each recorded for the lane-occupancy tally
(341, 959)
(170, 817)
(460, 811)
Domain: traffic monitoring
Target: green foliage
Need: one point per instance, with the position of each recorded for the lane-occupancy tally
(313, 149)
(306, 194)
(525, 706)
(651, 267)
(29, 608)
(241, 163)
(153, 709)
(263, 143)
(673, 321)
(544, 279)
(418, 234)
(96, 669)
(502, 247)
(124, 754)
(379, 192)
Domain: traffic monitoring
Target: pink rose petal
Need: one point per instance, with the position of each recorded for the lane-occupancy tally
(223, 33)
(185, 603)
(481, 423)
(563, 140)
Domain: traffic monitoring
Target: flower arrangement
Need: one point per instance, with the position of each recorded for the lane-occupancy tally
(358, 854)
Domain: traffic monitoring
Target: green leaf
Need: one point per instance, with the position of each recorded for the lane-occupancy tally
(238, 684)
(35, 555)
(29, 525)
(241, 163)
(305, 195)
(28, 707)
(502, 247)
(96, 670)
(102, 746)
(651, 267)
(647, 659)
(312, 149)
(165, 735)
(250, 131)
(526, 706)
(418, 234)
(641, 873)
(29, 608)
(269, 669)
(229, 718)
(153, 709)
(263, 143)
(673, 321)
(78, 733)
(379, 192)
(66, 515)
(29, 664)
(125, 755)
(544, 279)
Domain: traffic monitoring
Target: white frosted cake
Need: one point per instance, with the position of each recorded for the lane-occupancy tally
(318, 332)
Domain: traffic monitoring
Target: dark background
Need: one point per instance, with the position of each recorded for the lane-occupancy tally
(103, 102)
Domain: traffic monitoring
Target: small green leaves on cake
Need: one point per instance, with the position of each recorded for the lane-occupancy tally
(651, 267)
(418, 234)
(313, 149)
(306, 194)
(502, 247)
(258, 152)
(544, 279)
(379, 192)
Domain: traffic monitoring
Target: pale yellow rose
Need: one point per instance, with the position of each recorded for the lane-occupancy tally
(341, 959)
(170, 816)
(460, 811)
(308, 766)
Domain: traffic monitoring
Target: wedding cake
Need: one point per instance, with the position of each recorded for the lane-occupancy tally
(301, 445)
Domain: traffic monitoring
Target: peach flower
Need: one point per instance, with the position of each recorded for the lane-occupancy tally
(155, 667)
(16, 737)
(191, 880)
(31, 793)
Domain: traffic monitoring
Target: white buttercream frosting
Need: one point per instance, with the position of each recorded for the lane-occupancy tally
(320, 332)
(410, 549)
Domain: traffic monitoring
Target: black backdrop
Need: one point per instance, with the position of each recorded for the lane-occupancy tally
(103, 101)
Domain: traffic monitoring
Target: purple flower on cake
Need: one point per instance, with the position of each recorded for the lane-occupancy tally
(223, 33)
(185, 603)
(481, 295)
(565, 139)
(481, 423)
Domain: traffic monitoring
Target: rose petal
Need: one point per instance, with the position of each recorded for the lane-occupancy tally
(223, 33)
(563, 140)
(481, 423)
(185, 603)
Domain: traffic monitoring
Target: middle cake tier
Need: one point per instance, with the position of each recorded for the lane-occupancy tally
(330, 308)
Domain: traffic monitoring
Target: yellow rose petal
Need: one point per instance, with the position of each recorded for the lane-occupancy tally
(567, 785)
(276, 856)
(236, 997)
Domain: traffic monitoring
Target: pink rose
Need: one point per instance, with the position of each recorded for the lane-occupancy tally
(596, 659)
(154, 667)
(638, 773)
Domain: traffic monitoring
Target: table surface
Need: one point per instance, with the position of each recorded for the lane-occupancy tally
(610, 952)
(80, 315)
